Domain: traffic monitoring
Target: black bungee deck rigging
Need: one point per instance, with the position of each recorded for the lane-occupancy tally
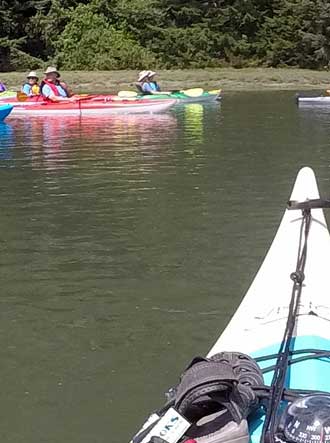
(277, 391)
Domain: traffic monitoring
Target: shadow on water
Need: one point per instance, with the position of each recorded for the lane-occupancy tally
(126, 245)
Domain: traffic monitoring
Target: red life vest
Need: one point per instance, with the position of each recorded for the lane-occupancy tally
(52, 87)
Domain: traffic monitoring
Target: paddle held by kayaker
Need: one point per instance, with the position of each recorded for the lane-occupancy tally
(31, 87)
(53, 89)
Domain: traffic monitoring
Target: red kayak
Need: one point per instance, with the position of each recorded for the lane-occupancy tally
(90, 105)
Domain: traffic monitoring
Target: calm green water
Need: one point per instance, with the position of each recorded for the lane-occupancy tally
(126, 244)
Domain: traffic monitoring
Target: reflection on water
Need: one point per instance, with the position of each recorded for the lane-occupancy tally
(6, 142)
(53, 142)
(194, 122)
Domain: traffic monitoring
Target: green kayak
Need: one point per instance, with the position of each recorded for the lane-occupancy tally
(195, 95)
(7, 94)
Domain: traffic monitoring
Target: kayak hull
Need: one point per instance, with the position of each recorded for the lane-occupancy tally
(182, 98)
(5, 110)
(314, 101)
(258, 325)
(261, 317)
(91, 107)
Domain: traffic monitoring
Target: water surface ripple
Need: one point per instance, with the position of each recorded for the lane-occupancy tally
(126, 245)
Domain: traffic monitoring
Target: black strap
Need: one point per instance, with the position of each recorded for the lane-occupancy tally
(281, 366)
(202, 379)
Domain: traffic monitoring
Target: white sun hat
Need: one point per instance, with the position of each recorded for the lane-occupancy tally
(151, 73)
(142, 75)
(32, 74)
(51, 69)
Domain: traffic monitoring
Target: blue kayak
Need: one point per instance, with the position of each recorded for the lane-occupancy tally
(5, 110)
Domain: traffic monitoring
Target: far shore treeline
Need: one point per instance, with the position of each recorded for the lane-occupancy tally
(133, 34)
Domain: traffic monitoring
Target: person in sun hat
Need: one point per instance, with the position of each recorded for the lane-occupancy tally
(142, 79)
(52, 88)
(31, 87)
(146, 83)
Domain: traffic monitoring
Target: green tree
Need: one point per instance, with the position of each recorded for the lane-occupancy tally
(89, 40)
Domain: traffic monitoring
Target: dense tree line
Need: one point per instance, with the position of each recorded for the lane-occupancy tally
(120, 34)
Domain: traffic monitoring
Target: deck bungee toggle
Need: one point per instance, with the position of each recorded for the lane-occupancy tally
(279, 390)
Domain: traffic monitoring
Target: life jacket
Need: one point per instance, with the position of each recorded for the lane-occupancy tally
(53, 88)
(156, 86)
(35, 89)
(143, 91)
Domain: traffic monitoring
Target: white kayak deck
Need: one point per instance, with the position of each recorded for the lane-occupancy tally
(260, 320)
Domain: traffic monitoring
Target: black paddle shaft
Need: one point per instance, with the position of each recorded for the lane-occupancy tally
(316, 203)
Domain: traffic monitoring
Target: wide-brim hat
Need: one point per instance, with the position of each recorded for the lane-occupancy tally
(52, 70)
(151, 73)
(142, 75)
(32, 74)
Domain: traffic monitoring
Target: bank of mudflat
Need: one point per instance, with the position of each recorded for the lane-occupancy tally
(229, 79)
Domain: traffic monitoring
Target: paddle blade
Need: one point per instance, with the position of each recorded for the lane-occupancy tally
(215, 92)
(127, 94)
(194, 92)
(21, 96)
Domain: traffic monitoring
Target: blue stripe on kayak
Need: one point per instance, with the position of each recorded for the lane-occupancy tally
(311, 374)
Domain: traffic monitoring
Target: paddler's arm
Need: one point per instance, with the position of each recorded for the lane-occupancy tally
(56, 99)
(48, 93)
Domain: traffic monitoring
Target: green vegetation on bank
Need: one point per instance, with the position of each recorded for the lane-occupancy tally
(133, 34)
(229, 79)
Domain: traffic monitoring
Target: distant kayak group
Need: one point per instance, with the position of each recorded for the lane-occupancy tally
(53, 96)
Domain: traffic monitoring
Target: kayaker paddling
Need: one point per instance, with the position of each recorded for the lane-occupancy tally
(31, 87)
(146, 83)
(279, 391)
(53, 89)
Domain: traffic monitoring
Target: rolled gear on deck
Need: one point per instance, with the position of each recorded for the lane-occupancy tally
(215, 396)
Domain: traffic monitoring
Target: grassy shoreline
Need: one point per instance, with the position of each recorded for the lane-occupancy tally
(229, 79)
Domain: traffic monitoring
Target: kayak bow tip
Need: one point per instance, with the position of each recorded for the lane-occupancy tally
(305, 186)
